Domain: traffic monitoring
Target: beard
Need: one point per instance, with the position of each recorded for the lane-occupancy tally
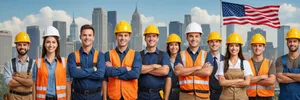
(293, 50)
(22, 54)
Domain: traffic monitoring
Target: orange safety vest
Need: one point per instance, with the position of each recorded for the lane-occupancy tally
(194, 83)
(42, 79)
(95, 58)
(258, 89)
(116, 87)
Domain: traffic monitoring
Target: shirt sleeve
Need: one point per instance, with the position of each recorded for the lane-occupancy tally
(279, 66)
(7, 72)
(134, 73)
(220, 70)
(111, 71)
(166, 61)
(34, 70)
(74, 71)
(247, 67)
(272, 69)
(178, 60)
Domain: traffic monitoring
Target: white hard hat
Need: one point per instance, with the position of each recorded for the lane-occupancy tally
(51, 31)
(193, 27)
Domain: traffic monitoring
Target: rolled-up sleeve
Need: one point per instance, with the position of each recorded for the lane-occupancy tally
(220, 70)
(113, 71)
(134, 73)
(166, 61)
(177, 60)
(7, 72)
(247, 70)
(74, 71)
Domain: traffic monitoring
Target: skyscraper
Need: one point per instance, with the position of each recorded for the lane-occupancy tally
(70, 47)
(206, 31)
(176, 27)
(281, 42)
(229, 29)
(34, 34)
(111, 24)
(251, 33)
(61, 26)
(162, 38)
(99, 23)
(187, 21)
(6, 48)
(74, 36)
(137, 34)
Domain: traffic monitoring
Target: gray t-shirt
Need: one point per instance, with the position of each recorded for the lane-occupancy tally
(290, 63)
(257, 65)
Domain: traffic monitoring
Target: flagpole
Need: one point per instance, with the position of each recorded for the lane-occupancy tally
(221, 27)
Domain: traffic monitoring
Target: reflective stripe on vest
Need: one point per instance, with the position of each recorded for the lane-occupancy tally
(42, 79)
(256, 89)
(194, 82)
(117, 87)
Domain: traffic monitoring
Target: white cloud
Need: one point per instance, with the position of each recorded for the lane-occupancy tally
(146, 20)
(202, 17)
(288, 11)
(44, 18)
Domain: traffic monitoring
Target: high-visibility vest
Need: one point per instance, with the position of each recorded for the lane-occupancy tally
(42, 79)
(77, 58)
(195, 84)
(258, 89)
(118, 88)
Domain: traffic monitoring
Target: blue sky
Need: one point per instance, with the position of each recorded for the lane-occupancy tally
(162, 10)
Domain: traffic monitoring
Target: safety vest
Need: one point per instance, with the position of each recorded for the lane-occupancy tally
(195, 84)
(42, 79)
(116, 87)
(77, 58)
(258, 89)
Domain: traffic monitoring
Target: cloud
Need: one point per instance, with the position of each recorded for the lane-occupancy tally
(288, 11)
(146, 20)
(202, 17)
(44, 18)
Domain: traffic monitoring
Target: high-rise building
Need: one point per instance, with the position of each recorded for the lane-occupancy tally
(61, 26)
(251, 33)
(14, 51)
(136, 41)
(99, 23)
(34, 34)
(229, 29)
(74, 35)
(162, 38)
(70, 47)
(187, 21)
(111, 24)
(281, 42)
(204, 36)
(176, 27)
(6, 47)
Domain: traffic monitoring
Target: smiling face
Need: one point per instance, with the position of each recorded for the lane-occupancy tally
(123, 39)
(293, 45)
(87, 37)
(258, 49)
(151, 40)
(234, 49)
(193, 39)
(22, 48)
(214, 45)
(50, 44)
(173, 47)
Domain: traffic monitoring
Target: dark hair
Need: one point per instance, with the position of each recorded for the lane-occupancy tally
(87, 26)
(57, 51)
(169, 52)
(227, 57)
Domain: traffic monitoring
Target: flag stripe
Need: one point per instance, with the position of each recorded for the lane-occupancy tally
(264, 7)
(267, 24)
(250, 18)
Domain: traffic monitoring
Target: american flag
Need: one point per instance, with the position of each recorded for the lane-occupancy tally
(245, 14)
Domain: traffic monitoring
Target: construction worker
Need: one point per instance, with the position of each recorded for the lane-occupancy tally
(155, 69)
(262, 85)
(190, 67)
(173, 48)
(288, 68)
(214, 41)
(17, 71)
(234, 73)
(51, 77)
(123, 66)
(87, 68)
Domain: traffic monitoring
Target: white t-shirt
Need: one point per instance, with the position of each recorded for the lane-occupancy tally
(247, 68)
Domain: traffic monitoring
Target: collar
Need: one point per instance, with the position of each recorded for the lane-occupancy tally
(156, 51)
(118, 51)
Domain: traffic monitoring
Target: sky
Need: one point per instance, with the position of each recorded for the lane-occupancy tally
(17, 14)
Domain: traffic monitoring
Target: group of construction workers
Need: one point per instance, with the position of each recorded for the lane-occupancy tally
(152, 74)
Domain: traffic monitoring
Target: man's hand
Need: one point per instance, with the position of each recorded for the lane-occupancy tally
(156, 66)
(207, 64)
(263, 76)
(128, 68)
(78, 67)
(108, 64)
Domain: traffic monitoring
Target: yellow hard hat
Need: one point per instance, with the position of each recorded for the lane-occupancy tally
(214, 36)
(293, 33)
(234, 38)
(258, 38)
(151, 29)
(22, 37)
(173, 38)
(123, 26)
